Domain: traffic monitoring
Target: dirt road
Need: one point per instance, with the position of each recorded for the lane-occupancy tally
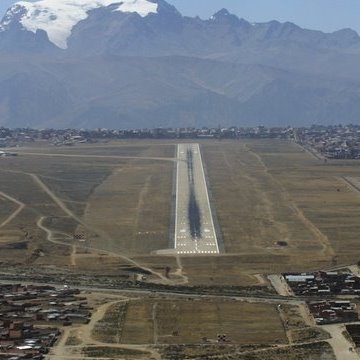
(16, 212)
(343, 349)
(67, 211)
(50, 237)
(327, 250)
(84, 334)
(280, 285)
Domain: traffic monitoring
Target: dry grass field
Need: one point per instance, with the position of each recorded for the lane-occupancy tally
(7, 207)
(102, 191)
(320, 192)
(118, 195)
(279, 209)
(158, 327)
(190, 322)
(133, 206)
(316, 351)
(254, 207)
(99, 352)
(267, 191)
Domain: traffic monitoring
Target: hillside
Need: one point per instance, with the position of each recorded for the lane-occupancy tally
(146, 65)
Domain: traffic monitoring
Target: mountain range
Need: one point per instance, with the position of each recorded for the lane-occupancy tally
(140, 63)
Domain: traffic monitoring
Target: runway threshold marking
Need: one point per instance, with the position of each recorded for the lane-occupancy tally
(183, 238)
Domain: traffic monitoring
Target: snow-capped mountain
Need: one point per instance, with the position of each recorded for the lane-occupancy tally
(120, 63)
(58, 17)
(158, 26)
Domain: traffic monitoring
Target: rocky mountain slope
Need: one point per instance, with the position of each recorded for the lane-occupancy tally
(92, 63)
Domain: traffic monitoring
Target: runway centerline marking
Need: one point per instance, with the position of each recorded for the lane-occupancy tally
(194, 226)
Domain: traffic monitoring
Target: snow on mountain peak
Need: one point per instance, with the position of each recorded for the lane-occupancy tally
(58, 17)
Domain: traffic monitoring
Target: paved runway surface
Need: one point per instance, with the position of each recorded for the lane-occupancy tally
(194, 228)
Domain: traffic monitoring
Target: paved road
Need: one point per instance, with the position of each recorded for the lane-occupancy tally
(194, 227)
(163, 293)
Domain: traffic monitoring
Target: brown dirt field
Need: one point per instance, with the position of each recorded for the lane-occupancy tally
(254, 209)
(188, 322)
(138, 148)
(264, 191)
(324, 198)
(133, 208)
(269, 190)
(6, 209)
(232, 269)
(316, 351)
(73, 181)
(95, 263)
(10, 236)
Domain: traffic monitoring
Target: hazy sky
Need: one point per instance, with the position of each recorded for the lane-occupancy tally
(326, 15)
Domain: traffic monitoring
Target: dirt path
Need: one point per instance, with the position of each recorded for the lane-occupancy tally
(155, 324)
(85, 332)
(280, 285)
(60, 348)
(180, 271)
(355, 270)
(305, 314)
(314, 154)
(261, 279)
(50, 237)
(284, 321)
(73, 256)
(322, 238)
(343, 349)
(50, 234)
(67, 211)
(56, 199)
(351, 183)
(16, 212)
(268, 206)
(144, 191)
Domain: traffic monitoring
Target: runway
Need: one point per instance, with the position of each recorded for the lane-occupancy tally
(194, 226)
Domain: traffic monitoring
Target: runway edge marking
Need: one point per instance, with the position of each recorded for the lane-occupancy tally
(177, 194)
(208, 200)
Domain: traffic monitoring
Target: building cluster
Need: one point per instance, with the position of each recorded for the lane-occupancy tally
(330, 312)
(323, 283)
(354, 332)
(30, 317)
(332, 142)
(13, 137)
